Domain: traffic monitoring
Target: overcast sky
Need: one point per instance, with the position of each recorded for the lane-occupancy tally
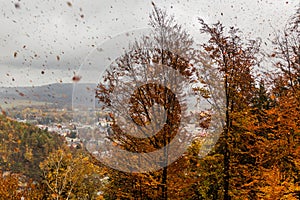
(46, 41)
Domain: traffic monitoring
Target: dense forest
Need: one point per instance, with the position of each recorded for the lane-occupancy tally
(256, 157)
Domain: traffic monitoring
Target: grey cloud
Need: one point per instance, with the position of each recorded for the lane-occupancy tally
(39, 31)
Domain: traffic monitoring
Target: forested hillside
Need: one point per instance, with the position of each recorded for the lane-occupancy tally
(24, 146)
(37, 164)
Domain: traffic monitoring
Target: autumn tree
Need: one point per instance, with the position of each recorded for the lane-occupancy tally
(280, 164)
(70, 175)
(15, 186)
(166, 56)
(287, 53)
(234, 59)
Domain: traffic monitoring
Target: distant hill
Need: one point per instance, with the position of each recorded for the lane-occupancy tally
(57, 93)
(60, 94)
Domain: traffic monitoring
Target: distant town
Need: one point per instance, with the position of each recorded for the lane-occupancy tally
(74, 126)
